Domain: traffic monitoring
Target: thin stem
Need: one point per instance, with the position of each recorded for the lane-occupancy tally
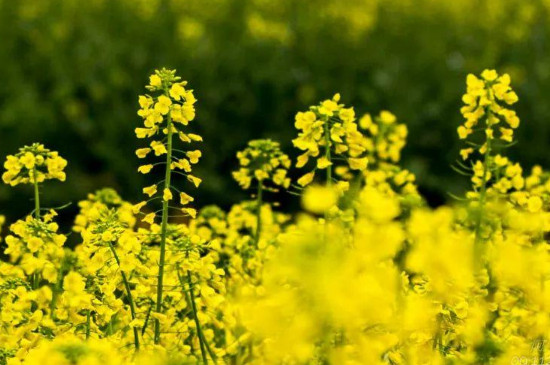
(541, 354)
(57, 288)
(482, 197)
(128, 295)
(164, 225)
(88, 314)
(478, 246)
(147, 319)
(35, 278)
(196, 318)
(327, 153)
(329, 167)
(36, 195)
(259, 203)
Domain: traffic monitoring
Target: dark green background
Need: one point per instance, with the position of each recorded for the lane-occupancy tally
(71, 71)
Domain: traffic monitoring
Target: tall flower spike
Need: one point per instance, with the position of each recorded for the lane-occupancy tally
(33, 165)
(165, 114)
(329, 133)
(262, 162)
(486, 102)
(486, 111)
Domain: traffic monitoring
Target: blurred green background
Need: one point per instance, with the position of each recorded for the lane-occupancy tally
(71, 71)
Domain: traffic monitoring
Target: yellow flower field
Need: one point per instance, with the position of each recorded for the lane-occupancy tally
(365, 273)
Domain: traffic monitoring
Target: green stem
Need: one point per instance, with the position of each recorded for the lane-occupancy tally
(36, 195)
(147, 316)
(482, 197)
(128, 295)
(88, 324)
(327, 153)
(196, 318)
(35, 275)
(541, 355)
(479, 248)
(55, 292)
(259, 203)
(164, 225)
(329, 167)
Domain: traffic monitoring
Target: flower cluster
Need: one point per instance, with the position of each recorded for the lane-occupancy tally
(262, 160)
(33, 163)
(485, 109)
(36, 245)
(328, 132)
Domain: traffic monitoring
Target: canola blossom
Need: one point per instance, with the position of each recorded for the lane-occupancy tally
(365, 273)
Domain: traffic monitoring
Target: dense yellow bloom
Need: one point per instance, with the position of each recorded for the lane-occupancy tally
(378, 278)
(486, 102)
(162, 115)
(33, 163)
(328, 133)
(264, 162)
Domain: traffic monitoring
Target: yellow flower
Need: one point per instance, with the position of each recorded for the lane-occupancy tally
(534, 204)
(194, 180)
(145, 102)
(185, 199)
(511, 98)
(328, 107)
(159, 148)
(163, 104)
(365, 122)
(177, 91)
(463, 132)
(190, 212)
(323, 163)
(319, 199)
(155, 81)
(506, 134)
(194, 156)
(194, 137)
(27, 160)
(358, 163)
(34, 244)
(107, 236)
(306, 179)
(74, 283)
(489, 75)
(167, 195)
(145, 169)
(149, 218)
(142, 152)
(304, 120)
(387, 117)
(137, 207)
(143, 132)
(465, 152)
(150, 190)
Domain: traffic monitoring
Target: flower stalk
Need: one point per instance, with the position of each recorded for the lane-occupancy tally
(164, 225)
(128, 295)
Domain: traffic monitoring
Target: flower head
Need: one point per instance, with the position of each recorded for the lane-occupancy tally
(33, 163)
(263, 161)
